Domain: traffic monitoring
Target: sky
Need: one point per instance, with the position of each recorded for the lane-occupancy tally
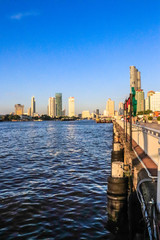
(80, 48)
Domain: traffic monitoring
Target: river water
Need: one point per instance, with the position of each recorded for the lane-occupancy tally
(53, 180)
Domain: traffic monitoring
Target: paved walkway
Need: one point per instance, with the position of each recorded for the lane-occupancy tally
(147, 161)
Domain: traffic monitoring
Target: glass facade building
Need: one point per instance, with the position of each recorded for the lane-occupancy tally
(58, 104)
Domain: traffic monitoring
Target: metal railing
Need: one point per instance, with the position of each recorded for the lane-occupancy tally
(147, 138)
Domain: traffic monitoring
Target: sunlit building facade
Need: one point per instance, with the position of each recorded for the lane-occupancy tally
(110, 108)
(148, 100)
(29, 111)
(19, 109)
(155, 102)
(51, 107)
(140, 100)
(71, 107)
(135, 78)
(86, 114)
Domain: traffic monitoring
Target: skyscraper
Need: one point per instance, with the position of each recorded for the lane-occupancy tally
(97, 111)
(140, 100)
(33, 106)
(71, 107)
(110, 108)
(19, 109)
(135, 78)
(58, 104)
(51, 107)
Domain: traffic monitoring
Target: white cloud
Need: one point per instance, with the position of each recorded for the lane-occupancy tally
(19, 16)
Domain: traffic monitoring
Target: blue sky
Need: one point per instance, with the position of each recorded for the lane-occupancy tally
(81, 48)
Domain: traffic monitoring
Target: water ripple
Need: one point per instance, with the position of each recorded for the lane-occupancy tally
(54, 180)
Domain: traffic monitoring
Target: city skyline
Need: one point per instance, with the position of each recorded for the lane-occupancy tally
(52, 105)
(82, 49)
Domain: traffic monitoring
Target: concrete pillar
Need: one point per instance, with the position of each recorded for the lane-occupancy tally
(116, 146)
(117, 169)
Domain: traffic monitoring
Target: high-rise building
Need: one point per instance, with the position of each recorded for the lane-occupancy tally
(58, 104)
(97, 111)
(135, 78)
(120, 110)
(51, 107)
(140, 100)
(19, 109)
(148, 100)
(110, 108)
(71, 107)
(155, 102)
(147, 103)
(33, 106)
(29, 111)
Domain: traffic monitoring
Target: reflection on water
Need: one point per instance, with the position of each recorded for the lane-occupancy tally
(53, 180)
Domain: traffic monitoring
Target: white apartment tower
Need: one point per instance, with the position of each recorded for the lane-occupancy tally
(110, 108)
(148, 100)
(51, 107)
(71, 107)
(33, 106)
(155, 102)
(135, 78)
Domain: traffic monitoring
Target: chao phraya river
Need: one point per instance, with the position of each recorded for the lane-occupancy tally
(53, 180)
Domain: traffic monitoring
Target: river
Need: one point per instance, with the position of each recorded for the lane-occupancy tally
(53, 180)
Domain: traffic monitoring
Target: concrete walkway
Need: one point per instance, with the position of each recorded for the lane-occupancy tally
(147, 161)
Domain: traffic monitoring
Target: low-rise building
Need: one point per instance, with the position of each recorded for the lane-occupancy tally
(86, 114)
(19, 109)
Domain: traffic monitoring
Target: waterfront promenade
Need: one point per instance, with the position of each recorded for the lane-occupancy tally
(143, 160)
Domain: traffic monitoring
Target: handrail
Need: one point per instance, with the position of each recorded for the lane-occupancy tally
(147, 128)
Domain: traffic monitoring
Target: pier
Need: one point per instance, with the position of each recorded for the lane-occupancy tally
(141, 164)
